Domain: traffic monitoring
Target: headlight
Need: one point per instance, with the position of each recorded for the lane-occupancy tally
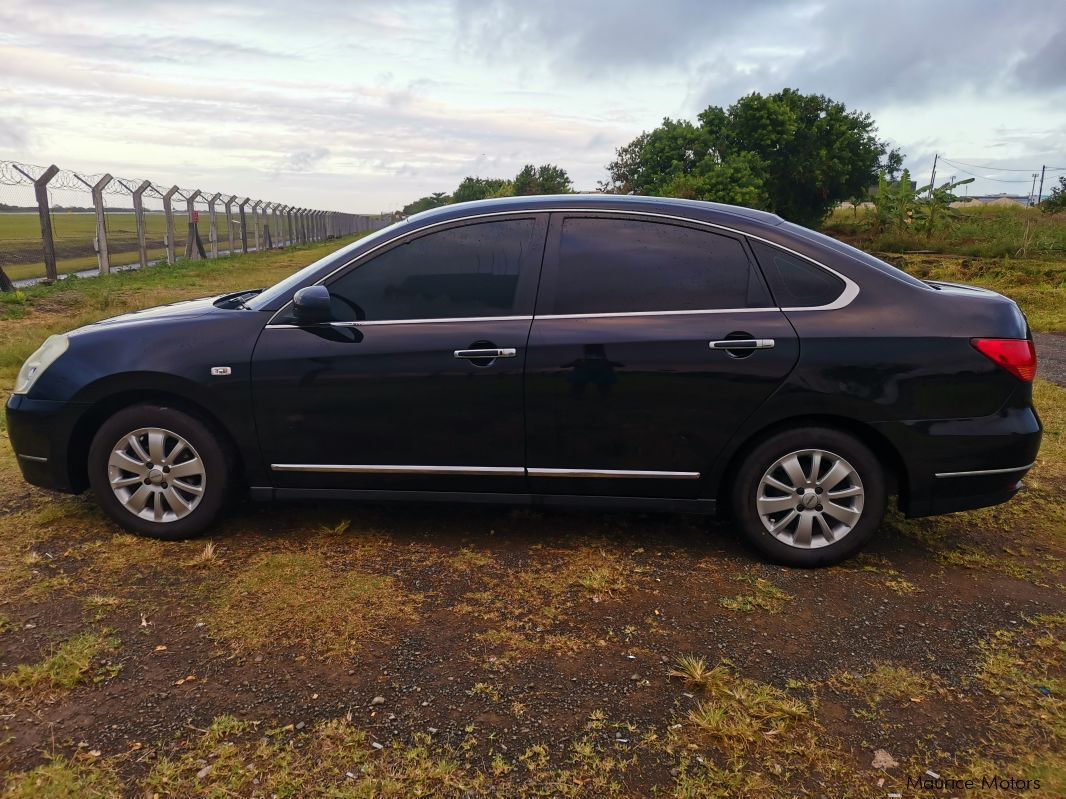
(53, 347)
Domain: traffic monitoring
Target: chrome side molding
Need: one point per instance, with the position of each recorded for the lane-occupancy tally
(980, 472)
(483, 471)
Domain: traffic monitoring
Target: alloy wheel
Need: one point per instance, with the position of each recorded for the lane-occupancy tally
(156, 474)
(810, 498)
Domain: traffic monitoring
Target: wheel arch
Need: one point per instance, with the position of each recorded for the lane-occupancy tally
(105, 407)
(886, 453)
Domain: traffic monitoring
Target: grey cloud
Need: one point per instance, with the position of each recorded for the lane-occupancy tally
(304, 160)
(13, 134)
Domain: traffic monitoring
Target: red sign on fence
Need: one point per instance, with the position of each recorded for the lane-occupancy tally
(195, 217)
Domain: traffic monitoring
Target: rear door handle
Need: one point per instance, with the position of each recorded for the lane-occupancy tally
(743, 344)
(509, 352)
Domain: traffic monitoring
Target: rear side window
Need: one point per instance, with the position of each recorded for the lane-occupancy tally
(467, 271)
(795, 282)
(625, 266)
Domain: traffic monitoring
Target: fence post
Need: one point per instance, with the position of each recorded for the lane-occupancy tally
(290, 214)
(213, 216)
(279, 237)
(138, 216)
(193, 245)
(101, 225)
(255, 221)
(229, 220)
(40, 191)
(244, 225)
(168, 210)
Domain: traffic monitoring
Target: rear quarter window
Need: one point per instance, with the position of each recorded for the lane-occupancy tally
(794, 281)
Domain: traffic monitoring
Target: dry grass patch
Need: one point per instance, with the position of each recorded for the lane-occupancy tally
(764, 595)
(746, 738)
(301, 599)
(68, 665)
(60, 778)
(887, 682)
(530, 609)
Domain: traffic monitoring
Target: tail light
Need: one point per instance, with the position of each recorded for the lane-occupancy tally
(1017, 356)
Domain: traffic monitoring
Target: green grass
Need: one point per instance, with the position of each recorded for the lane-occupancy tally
(67, 666)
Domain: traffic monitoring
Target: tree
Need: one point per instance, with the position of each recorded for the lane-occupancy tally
(473, 188)
(1057, 200)
(434, 200)
(797, 155)
(543, 179)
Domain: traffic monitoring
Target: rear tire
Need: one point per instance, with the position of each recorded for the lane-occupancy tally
(809, 497)
(159, 472)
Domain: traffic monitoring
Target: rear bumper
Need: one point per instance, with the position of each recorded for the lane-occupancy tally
(40, 433)
(961, 464)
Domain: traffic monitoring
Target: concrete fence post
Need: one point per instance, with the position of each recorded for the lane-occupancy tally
(102, 258)
(193, 245)
(290, 214)
(213, 216)
(40, 191)
(138, 218)
(244, 224)
(278, 234)
(255, 222)
(229, 220)
(168, 210)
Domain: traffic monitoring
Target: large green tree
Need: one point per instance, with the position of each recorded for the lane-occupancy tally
(478, 189)
(797, 155)
(543, 179)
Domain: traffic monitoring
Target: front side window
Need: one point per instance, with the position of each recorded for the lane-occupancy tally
(467, 271)
(628, 266)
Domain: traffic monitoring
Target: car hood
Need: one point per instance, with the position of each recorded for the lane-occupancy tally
(176, 310)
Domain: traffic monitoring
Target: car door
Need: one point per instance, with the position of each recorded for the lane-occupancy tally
(416, 383)
(652, 341)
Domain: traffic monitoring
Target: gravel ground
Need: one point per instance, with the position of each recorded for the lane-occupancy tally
(1051, 357)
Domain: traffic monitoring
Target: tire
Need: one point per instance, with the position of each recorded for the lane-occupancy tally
(149, 501)
(808, 531)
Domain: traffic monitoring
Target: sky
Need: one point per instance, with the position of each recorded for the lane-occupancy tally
(363, 106)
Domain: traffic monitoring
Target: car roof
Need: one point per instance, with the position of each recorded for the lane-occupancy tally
(734, 215)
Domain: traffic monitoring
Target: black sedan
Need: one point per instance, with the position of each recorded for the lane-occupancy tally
(598, 351)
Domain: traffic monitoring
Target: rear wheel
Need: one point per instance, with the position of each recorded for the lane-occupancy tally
(810, 497)
(158, 471)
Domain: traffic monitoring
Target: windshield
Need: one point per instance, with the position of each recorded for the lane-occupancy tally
(857, 254)
(279, 292)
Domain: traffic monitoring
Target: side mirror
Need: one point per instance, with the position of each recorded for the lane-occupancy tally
(311, 305)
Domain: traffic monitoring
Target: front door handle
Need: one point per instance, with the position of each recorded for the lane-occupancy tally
(485, 354)
(743, 344)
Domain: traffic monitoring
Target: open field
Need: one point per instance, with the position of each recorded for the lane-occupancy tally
(74, 232)
(353, 650)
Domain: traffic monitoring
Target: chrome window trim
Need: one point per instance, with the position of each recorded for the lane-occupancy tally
(484, 471)
(851, 289)
(979, 472)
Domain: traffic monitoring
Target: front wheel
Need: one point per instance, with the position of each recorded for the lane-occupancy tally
(158, 472)
(809, 497)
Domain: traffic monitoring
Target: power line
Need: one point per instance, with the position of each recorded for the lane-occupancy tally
(981, 166)
(983, 177)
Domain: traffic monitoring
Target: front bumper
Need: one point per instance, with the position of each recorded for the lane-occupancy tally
(961, 464)
(40, 433)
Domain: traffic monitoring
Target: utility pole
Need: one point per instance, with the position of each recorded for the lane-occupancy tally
(1040, 194)
(1032, 189)
(932, 177)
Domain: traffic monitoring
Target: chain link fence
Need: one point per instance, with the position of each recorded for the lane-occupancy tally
(55, 222)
